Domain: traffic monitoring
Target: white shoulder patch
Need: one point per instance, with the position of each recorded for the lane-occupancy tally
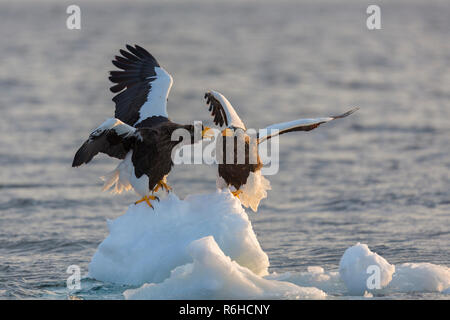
(113, 124)
(156, 104)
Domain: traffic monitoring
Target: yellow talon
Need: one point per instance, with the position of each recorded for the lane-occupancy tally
(147, 199)
(163, 185)
(236, 193)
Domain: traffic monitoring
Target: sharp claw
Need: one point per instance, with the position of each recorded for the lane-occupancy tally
(161, 185)
(147, 200)
(236, 193)
(167, 187)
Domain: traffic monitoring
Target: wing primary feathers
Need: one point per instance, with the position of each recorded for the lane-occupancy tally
(141, 85)
(222, 110)
(128, 55)
(346, 114)
(300, 125)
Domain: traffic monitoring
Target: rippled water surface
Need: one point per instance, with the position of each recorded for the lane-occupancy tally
(380, 177)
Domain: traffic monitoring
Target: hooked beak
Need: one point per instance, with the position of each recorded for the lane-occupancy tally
(207, 133)
(227, 132)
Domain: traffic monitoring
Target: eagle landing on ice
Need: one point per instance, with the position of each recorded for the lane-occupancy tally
(140, 134)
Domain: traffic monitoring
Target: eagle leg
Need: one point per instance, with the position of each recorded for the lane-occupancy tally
(163, 185)
(236, 193)
(147, 199)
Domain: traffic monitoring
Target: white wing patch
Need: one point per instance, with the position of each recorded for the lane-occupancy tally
(283, 126)
(298, 123)
(232, 116)
(114, 124)
(156, 104)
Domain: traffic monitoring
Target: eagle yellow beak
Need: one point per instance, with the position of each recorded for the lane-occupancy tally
(227, 132)
(207, 133)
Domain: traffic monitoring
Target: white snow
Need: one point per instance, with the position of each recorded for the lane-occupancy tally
(145, 245)
(354, 268)
(213, 275)
(420, 277)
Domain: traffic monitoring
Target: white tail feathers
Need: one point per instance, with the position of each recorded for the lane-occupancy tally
(116, 180)
(254, 190)
(112, 181)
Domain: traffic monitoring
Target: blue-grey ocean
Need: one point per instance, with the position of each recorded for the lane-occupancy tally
(380, 177)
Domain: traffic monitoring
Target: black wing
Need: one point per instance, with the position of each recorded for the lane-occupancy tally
(142, 86)
(113, 137)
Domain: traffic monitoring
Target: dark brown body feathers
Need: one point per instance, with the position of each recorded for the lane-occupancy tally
(236, 174)
(153, 155)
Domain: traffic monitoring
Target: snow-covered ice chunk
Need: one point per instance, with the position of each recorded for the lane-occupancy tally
(213, 275)
(355, 272)
(420, 277)
(406, 277)
(145, 245)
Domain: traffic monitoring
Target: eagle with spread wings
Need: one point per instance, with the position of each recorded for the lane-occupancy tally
(236, 174)
(140, 134)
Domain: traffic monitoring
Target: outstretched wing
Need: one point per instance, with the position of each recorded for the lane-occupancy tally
(112, 137)
(222, 111)
(142, 86)
(299, 125)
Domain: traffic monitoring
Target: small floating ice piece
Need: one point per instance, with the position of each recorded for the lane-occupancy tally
(358, 264)
(420, 277)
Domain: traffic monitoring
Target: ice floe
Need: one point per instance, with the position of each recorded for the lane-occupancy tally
(204, 247)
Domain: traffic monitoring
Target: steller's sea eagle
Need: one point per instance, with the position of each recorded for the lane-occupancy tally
(140, 134)
(236, 175)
